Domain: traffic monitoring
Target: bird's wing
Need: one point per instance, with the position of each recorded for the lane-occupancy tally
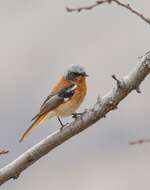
(48, 98)
(55, 99)
(43, 104)
(50, 104)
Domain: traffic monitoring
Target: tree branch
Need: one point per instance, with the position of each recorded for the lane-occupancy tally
(88, 7)
(100, 2)
(140, 141)
(103, 105)
(3, 152)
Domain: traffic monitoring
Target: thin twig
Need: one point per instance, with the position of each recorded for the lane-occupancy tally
(97, 3)
(140, 141)
(3, 152)
(127, 6)
(88, 7)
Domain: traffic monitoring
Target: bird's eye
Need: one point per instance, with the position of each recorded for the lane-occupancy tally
(75, 74)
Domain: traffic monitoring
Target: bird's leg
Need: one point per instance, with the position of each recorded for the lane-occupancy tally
(61, 123)
(76, 115)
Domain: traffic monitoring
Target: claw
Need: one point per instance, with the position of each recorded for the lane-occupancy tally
(64, 125)
(76, 115)
(61, 123)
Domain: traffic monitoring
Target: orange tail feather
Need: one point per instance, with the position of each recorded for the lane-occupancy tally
(34, 124)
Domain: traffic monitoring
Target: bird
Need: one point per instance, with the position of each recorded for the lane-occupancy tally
(64, 99)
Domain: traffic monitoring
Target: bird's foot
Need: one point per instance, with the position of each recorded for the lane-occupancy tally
(76, 115)
(63, 125)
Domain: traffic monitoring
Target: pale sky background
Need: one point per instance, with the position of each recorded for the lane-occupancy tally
(38, 41)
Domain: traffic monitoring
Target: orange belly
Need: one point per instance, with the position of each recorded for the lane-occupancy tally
(73, 104)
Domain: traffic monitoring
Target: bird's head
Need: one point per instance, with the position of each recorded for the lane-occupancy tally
(75, 74)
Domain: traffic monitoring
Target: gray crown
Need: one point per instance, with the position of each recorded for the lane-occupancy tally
(74, 69)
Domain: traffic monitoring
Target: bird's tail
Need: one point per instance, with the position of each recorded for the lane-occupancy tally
(34, 124)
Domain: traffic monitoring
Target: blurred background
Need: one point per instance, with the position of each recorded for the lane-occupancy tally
(38, 41)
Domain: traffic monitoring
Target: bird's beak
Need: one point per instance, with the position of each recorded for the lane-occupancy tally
(85, 75)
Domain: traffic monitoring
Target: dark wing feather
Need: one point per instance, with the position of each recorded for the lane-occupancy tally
(49, 97)
(55, 100)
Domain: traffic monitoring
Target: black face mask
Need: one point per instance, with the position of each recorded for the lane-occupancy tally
(73, 76)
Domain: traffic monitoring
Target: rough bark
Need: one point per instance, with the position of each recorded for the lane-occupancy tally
(103, 105)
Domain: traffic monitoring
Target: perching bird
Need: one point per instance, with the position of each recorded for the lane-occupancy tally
(64, 99)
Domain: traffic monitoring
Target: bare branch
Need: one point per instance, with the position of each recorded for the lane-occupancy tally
(100, 2)
(3, 152)
(127, 6)
(140, 141)
(102, 106)
(89, 7)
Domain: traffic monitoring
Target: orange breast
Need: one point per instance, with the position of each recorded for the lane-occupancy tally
(60, 85)
(73, 104)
